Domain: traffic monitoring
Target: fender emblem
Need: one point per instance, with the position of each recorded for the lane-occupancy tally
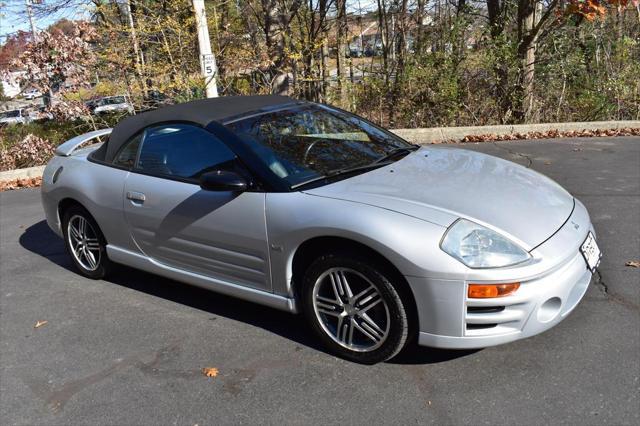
(575, 225)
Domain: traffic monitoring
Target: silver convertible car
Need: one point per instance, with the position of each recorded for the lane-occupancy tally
(310, 209)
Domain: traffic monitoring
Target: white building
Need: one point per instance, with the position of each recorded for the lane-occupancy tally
(10, 85)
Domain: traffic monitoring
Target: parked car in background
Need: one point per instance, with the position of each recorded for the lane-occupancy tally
(355, 52)
(39, 114)
(91, 104)
(14, 116)
(32, 94)
(111, 104)
(155, 99)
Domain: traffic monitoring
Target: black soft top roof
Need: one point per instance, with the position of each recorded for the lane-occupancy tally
(202, 112)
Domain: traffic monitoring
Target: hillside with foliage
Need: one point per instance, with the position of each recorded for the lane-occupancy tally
(401, 63)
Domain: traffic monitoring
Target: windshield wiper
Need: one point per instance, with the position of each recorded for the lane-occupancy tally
(339, 172)
(382, 161)
(395, 153)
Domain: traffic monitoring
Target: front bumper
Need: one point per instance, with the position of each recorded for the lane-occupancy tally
(551, 287)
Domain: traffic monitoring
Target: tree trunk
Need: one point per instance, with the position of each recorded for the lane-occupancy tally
(383, 30)
(139, 58)
(324, 72)
(529, 13)
(341, 53)
(500, 69)
(420, 16)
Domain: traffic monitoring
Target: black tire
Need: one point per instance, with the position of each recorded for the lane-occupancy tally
(398, 328)
(102, 265)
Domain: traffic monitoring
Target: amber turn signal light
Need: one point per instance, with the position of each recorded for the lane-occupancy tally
(483, 291)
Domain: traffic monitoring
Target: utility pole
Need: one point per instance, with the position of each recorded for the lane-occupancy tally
(207, 59)
(28, 3)
(136, 45)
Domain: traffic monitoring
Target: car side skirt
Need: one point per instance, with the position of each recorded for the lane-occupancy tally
(138, 261)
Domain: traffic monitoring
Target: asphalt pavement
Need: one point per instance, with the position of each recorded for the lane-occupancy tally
(130, 350)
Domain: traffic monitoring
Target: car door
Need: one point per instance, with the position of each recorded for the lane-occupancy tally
(220, 234)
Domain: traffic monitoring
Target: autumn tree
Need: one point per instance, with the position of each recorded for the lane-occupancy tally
(57, 61)
(424, 63)
(11, 49)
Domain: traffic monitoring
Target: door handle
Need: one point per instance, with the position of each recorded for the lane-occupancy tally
(136, 196)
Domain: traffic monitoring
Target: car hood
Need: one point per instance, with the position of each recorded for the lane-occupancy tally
(440, 185)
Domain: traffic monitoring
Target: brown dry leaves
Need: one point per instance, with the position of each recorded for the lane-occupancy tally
(30, 151)
(552, 134)
(8, 185)
(40, 323)
(210, 371)
(633, 263)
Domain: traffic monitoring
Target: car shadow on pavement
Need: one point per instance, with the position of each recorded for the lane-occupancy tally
(39, 239)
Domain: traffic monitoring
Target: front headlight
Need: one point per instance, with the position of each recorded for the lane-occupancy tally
(480, 247)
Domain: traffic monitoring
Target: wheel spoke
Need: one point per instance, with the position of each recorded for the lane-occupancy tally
(336, 282)
(345, 285)
(335, 289)
(93, 244)
(83, 227)
(328, 306)
(77, 251)
(344, 330)
(369, 301)
(368, 331)
(91, 260)
(75, 233)
(366, 319)
(358, 298)
(350, 342)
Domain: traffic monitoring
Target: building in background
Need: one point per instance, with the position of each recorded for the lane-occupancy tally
(10, 85)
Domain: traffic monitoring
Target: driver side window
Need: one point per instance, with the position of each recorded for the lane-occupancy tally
(182, 151)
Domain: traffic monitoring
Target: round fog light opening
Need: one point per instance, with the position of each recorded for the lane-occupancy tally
(549, 309)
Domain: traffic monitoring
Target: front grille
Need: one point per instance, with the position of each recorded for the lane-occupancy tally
(484, 309)
(480, 326)
(482, 318)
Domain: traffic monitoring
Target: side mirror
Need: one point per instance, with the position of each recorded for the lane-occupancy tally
(221, 180)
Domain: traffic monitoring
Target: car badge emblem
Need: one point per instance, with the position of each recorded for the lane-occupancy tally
(575, 225)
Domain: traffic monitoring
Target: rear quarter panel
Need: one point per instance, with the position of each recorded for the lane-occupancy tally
(97, 187)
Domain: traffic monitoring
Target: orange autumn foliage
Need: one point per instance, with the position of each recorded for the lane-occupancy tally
(593, 9)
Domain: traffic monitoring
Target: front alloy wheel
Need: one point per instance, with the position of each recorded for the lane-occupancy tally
(355, 308)
(350, 309)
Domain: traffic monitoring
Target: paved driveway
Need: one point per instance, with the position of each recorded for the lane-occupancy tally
(130, 350)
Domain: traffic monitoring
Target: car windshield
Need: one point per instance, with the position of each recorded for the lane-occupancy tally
(10, 114)
(114, 100)
(300, 144)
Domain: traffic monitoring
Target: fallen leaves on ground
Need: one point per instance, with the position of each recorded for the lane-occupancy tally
(633, 263)
(210, 371)
(7, 185)
(40, 323)
(553, 134)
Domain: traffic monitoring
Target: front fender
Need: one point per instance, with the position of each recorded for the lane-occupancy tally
(410, 244)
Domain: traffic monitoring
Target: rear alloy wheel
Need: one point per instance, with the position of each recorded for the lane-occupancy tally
(85, 243)
(355, 309)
